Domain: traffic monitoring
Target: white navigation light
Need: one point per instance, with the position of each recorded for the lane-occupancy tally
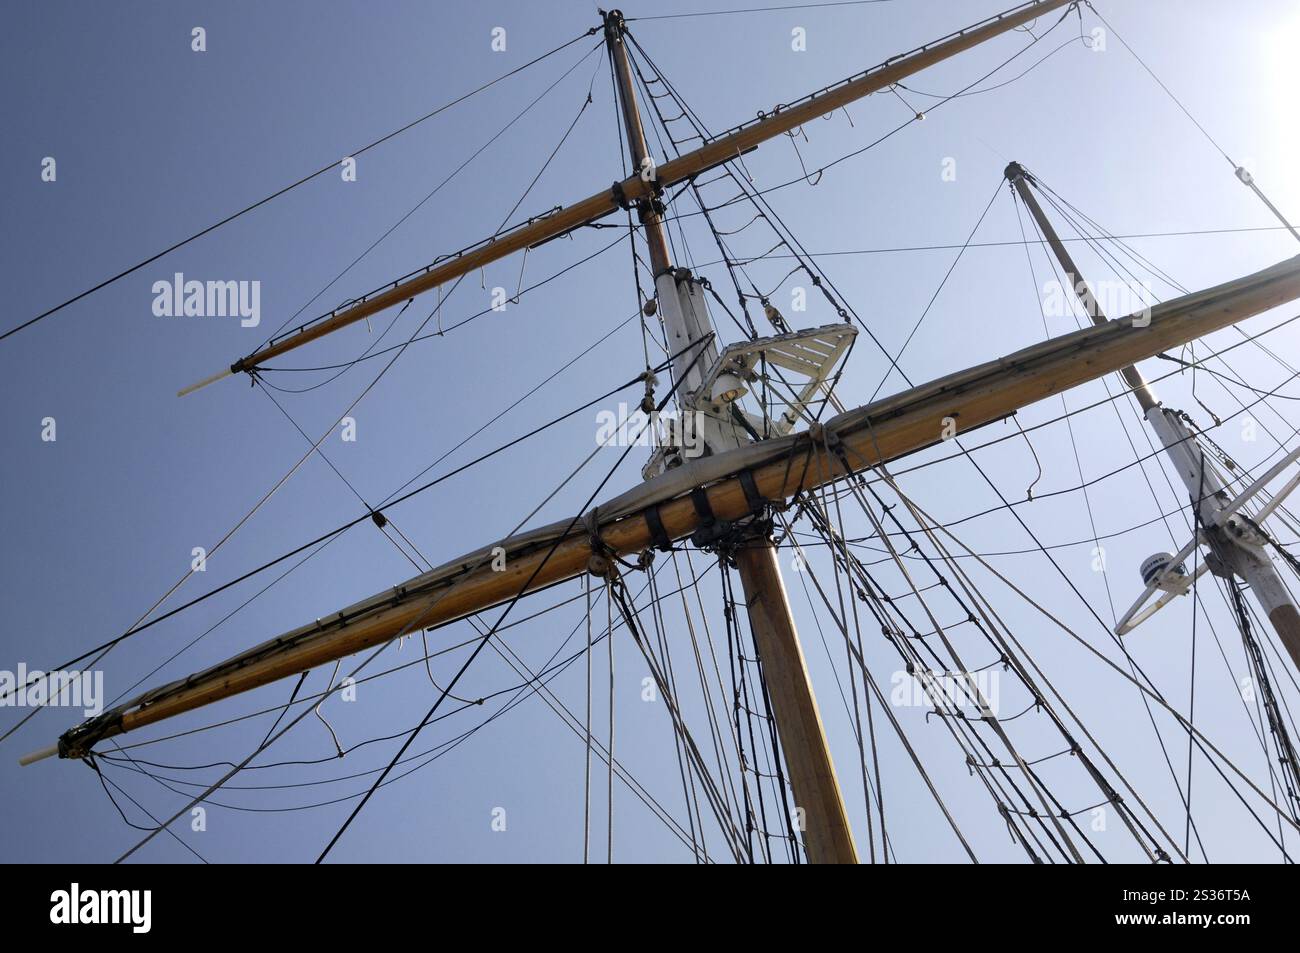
(728, 388)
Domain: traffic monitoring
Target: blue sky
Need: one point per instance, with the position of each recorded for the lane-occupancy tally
(153, 141)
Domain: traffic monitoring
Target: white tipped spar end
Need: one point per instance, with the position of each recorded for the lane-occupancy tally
(204, 383)
(41, 755)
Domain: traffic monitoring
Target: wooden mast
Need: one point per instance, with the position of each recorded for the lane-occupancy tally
(819, 807)
(879, 432)
(634, 188)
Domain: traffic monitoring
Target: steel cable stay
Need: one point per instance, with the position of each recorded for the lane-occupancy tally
(898, 356)
(710, 704)
(816, 505)
(1263, 675)
(383, 523)
(990, 631)
(743, 802)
